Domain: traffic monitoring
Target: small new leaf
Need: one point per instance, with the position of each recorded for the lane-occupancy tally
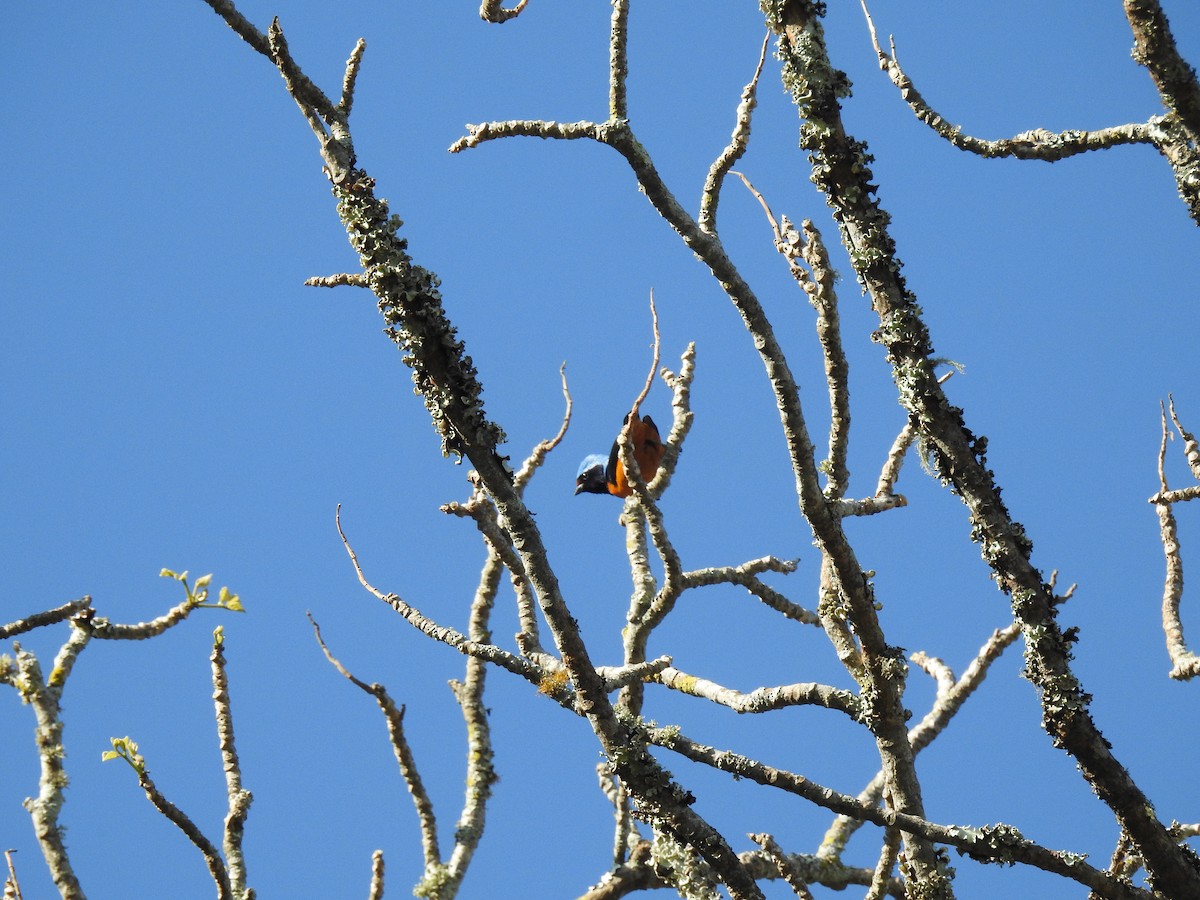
(127, 749)
(230, 600)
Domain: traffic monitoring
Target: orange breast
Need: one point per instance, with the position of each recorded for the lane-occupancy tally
(648, 450)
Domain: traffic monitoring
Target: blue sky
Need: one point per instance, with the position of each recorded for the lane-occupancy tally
(174, 396)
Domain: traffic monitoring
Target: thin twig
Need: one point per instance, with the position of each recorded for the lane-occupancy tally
(12, 889)
(710, 196)
(404, 756)
(542, 450)
(1184, 664)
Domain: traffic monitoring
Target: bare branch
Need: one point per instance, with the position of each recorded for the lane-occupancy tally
(841, 171)
(654, 362)
(483, 513)
(888, 855)
(618, 60)
(341, 279)
(1184, 663)
(480, 774)
(239, 798)
(791, 873)
(1037, 143)
(1191, 448)
(376, 890)
(492, 11)
(350, 79)
(763, 699)
(212, 857)
(530, 671)
(11, 888)
(542, 450)
(1177, 135)
(404, 756)
(105, 630)
(746, 575)
(710, 196)
(823, 296)
(951, 695)
(567, 131)
(44, 697)
(1001, 844)
(41, 619)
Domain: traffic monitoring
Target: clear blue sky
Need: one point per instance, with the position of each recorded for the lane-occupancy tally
(174, 396)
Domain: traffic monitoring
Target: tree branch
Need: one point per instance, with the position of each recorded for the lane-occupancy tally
(1038, 143)
(841, 172)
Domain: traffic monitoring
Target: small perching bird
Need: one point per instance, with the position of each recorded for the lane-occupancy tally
(600, 476)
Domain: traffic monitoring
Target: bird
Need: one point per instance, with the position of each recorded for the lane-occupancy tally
(600, 476)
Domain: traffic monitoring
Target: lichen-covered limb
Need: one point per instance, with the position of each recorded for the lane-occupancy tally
(104, 630)
(790, 873)
(951, 694)
(340, 279)
(1184, 663)
(841, 171)
(1037, 143)
(882, 671)
(44, 695)
(1001, 844)
(710, 196)
(639, 874)
(492, 11)
(764, 699)
(567, 131)
(47, 617)
(444, 375)
(212, 857)
(394, 717)
(1177, 136)
(239, 799)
